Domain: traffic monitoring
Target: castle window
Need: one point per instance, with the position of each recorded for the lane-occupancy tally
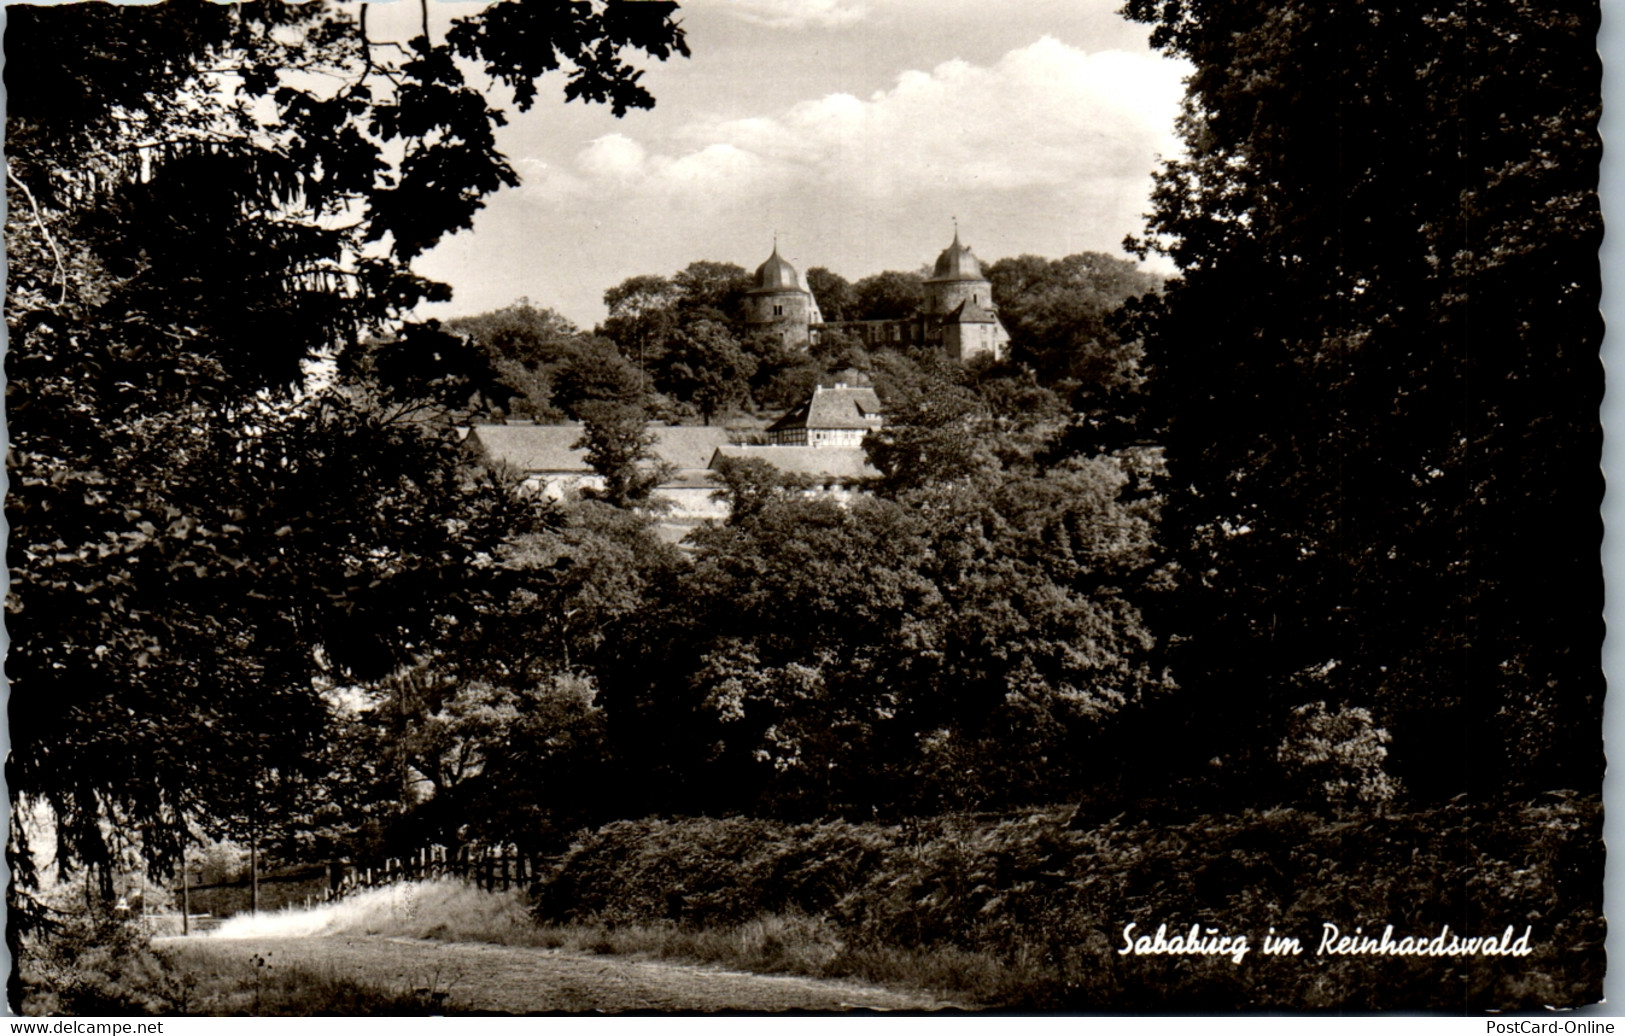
(778, 311)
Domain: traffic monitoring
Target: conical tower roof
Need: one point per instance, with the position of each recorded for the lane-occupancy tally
(776, 275)
(956, 263)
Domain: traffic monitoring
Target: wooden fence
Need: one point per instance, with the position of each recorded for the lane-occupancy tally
(489, 867)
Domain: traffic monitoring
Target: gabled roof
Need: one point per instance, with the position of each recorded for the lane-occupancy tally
(845, 463)
(844, 406)
(531, 447)
(970, 312)
(534, 448)
(688, 447)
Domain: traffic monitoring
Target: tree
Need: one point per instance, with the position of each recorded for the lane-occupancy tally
(706, 365)
(485, 762)
(1063, 318)
(596, 371)
(424, 363)
(222, 493)
(749, 484)
(1378, 378)
(936, 430)
(835, 349)
(495, 734)
(711, 290)
(683, 333)
(642, 315)
(526, 346)
(888, 296)
(521, 332)
(885, 655)
(619, 445)
(833, 293)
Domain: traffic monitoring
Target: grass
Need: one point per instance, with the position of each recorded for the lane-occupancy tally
(450, 911)
(797, 945)
(93, 966)
(220, 980)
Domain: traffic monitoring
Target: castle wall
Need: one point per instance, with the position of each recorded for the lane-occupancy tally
(790, 313)
(879, 332)
(964, 342)
(945, 296)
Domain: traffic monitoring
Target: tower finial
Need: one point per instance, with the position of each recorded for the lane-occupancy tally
(956, 228)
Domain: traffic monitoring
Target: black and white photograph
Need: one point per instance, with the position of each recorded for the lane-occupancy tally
(933, 508)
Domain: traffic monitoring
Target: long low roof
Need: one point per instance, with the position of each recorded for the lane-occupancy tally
(847, 463)
(538, 448)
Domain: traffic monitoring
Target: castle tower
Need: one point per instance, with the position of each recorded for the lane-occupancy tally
(956, 279)
(960, 299)
(778, 300)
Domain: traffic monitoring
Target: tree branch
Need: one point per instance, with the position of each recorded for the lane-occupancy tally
(366, 44)
(39, 221)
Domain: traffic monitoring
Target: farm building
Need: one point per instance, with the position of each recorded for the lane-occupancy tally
(547, 458)
(840, 414)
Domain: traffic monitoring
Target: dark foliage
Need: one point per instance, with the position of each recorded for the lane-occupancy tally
(1029, 888)
(1377, 379)
(233, 483)
(887, 296)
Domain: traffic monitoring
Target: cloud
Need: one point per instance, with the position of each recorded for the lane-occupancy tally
(789, 14)
(1044, 116)
(615, 157)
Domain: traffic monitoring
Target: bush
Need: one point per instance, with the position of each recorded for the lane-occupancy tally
(709, 872)
(1051, 903)
(1338, 757)
(91, 964)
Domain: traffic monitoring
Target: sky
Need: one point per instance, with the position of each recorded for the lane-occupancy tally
(854, 130)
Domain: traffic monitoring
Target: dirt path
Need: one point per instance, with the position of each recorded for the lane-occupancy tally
(479, 977)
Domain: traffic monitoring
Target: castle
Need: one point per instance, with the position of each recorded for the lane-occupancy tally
(959, 316)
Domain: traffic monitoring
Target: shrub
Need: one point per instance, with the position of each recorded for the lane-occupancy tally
(1337, 757)
(92, 964)
(1050, 904)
